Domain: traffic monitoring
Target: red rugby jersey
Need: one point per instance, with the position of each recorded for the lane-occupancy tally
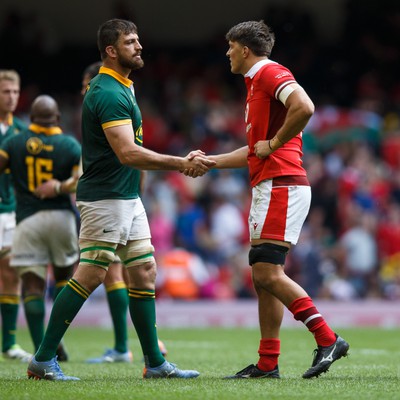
(264, 116)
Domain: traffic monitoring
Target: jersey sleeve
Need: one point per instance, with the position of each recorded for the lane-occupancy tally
(274, 78)
(113, 110)
(76, 151)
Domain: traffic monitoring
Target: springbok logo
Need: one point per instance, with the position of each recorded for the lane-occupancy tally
(34, 145)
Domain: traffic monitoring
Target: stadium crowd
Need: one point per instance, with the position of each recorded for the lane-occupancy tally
(350, 245)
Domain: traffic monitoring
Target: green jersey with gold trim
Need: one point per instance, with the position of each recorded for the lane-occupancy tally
(37, 155)
(109, 101)
(7, 197)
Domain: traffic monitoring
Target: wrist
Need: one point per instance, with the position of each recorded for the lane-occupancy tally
(275, 143)
(57, 188)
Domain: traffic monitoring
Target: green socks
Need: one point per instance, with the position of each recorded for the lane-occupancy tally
(142, 308)
(66, 306)
(118, 301)
(34, 313)
(9, 305)
(58, 287)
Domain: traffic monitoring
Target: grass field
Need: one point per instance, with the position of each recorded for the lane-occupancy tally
(372, 371)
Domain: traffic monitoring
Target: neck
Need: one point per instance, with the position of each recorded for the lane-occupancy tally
(4, 115)
(125, 72)
(253, 61)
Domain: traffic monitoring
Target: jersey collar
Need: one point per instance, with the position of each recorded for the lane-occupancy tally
(256, 67)
(125, 81)
(52, 130)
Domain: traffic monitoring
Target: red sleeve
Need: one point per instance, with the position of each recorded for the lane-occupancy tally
(274, 78)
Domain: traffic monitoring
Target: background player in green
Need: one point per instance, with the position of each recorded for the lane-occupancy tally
(9, 280)
(46, 227)
(113, 219)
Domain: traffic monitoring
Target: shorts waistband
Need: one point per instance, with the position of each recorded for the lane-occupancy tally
(290, 180)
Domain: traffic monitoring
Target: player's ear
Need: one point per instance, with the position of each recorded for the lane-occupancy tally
(111, 52)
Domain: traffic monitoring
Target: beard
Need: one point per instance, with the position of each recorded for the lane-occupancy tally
(131, 63)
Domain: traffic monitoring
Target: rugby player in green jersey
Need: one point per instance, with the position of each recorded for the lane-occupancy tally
(10, 287)
(46, 227)
(113, 219)
(116, 280)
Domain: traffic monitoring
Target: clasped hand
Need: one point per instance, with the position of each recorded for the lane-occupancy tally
(197, 164)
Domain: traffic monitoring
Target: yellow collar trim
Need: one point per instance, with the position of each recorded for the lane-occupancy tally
(8, 119)
(52, 130)
(125, 81)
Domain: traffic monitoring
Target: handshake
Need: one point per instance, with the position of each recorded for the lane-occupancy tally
(196, 163)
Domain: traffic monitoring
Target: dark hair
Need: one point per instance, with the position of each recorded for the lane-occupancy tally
(109, 33)
(93, 69)
(256, 35)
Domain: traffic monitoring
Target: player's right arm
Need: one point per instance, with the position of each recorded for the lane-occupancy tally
(234, 159)
(121, 139)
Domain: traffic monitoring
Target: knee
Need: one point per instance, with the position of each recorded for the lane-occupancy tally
(150, 271)
(10, 277)
(32, 285)
(143, 276)
(114, 274)
(266, 278)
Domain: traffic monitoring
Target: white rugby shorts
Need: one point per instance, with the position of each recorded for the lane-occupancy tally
(113, 221)
(278, 212)
(47, 237)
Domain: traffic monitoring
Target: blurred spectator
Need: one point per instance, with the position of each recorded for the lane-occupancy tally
(181, 275)
(357, 252)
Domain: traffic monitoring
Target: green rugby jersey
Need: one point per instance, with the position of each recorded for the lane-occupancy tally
(7, 197)
(109, 101)
(37, 155)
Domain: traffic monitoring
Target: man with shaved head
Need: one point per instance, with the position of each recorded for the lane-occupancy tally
(42, 161)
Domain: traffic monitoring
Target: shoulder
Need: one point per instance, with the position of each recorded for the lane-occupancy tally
(70, 140)
(18, 123)
(276, 71)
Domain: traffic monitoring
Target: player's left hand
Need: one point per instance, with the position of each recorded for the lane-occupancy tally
(262, 149)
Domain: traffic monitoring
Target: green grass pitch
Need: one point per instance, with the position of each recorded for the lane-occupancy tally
(372, 370)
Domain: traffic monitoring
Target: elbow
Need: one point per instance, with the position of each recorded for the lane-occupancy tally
(309, 109)
(124, 158)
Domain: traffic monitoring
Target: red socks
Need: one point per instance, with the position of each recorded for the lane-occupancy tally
(269, 351)
(303, 310)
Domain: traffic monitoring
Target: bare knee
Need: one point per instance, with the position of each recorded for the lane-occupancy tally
(267, 276)
(90, 277)
(114, 274)
(10, 278)
(143, 275)
(32, 284)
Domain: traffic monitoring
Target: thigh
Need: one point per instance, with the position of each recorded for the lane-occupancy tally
(139, 228)
(278, 213)
(28, 248)
(61, 237)
(113, 221)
